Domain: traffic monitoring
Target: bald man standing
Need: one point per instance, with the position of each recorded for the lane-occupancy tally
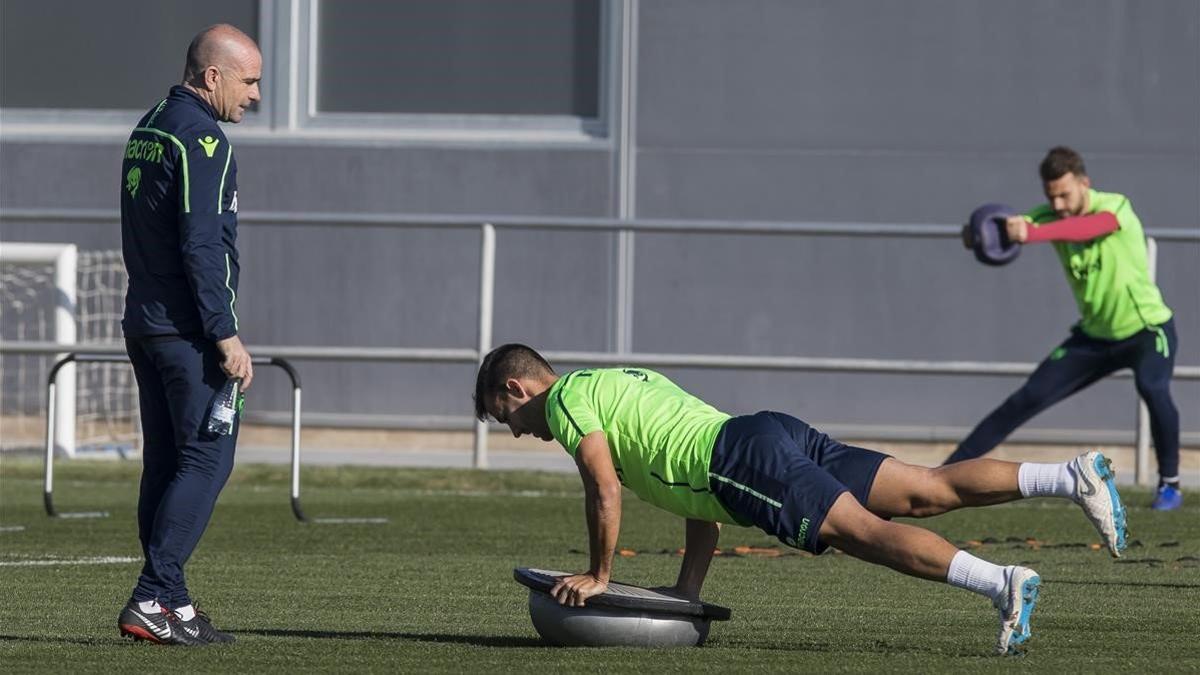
(179, 231)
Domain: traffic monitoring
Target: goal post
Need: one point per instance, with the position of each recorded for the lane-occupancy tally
(63, 258)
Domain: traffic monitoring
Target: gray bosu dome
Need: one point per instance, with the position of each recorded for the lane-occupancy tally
(622, 616)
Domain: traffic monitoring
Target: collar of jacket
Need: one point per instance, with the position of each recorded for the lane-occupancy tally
(180, 92)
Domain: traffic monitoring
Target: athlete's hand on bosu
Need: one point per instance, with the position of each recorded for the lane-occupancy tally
(573, 591)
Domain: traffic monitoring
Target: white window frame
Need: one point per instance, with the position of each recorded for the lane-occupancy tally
(287, 113)
(91, 122)
(303, 113)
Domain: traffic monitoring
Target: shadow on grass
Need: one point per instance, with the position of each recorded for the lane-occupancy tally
(1143, 584)
(869, 647)
(52, 639)
(474, 640)
(501, 641)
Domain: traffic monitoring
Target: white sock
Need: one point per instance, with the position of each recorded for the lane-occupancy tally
(976, 575)
(185, 613)
(149, 606)
(1046, 480)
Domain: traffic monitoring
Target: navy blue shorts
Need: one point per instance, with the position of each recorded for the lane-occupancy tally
(779, 474)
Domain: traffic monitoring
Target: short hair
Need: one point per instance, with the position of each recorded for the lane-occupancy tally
(1059, 162)
(501, 364)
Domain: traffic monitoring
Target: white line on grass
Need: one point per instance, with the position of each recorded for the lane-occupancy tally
(12, 528)
(84, 514)
(343, 521)
(96, 560)
(484, 493)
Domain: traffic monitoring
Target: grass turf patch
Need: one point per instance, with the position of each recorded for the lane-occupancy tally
(432, 589)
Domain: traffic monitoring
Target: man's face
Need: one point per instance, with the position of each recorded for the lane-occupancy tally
(515, 407)
(237, 85)
(1068, 195)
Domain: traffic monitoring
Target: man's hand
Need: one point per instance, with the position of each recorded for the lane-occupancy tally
(1017, 228)
(236, 361)
(573, 591)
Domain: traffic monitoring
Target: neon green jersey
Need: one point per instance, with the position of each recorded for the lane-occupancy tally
(661, 437)
(1109, 275)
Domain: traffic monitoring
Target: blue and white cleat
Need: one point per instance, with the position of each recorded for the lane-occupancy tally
(1016, 603)
(1096, 492)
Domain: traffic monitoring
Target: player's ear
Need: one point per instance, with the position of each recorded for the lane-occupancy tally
(1086, 182)
(211, 75)
(514, 388)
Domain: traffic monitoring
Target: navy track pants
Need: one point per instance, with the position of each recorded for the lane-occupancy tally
(183, 466)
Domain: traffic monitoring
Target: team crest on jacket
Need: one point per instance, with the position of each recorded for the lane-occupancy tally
(132, 180)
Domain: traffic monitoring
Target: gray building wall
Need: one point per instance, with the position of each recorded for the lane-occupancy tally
(846, 111)
(867, 111)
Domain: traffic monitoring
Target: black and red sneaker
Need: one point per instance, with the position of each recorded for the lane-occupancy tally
(161, 627)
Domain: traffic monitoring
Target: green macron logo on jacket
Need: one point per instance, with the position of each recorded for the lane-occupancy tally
(209, 144)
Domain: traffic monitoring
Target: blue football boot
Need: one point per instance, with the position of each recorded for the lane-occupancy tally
(1016, 603)
(1096, 493)
(1168, 498)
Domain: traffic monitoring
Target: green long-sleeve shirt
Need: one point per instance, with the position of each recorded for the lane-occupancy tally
(1109, 275)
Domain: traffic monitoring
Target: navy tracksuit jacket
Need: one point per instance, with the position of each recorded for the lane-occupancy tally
(179, 222)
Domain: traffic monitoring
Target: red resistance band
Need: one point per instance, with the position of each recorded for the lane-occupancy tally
(1075, 228)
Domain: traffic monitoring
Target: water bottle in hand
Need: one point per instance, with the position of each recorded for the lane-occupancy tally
(224, 408)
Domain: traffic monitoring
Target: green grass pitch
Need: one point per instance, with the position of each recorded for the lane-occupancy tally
(432, 589)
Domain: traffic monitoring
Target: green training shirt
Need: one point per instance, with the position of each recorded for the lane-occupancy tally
(1109, 275)
(661, 437)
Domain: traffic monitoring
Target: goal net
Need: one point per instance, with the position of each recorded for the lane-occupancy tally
(52, 293)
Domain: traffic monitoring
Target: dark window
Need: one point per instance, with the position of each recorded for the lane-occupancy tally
(105, 54)
(464, 57)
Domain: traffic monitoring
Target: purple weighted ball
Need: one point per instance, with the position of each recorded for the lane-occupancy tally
(988, 237)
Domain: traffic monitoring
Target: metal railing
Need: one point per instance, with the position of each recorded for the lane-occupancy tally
(487, 226)
(272, 354)
(474, 221)
(114, 354)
